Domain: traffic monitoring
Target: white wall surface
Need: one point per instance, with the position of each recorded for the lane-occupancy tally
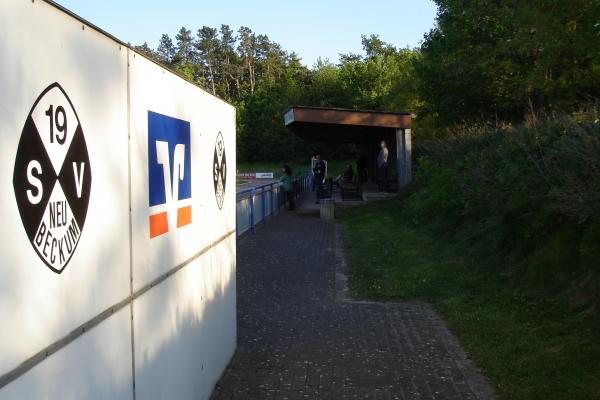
(42, 46)
(95, 366)
(184, 326)
(154, 90)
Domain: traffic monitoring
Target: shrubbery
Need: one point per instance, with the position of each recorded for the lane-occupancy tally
(526, 199)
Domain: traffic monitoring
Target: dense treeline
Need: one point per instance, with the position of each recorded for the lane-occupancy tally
(484, 61)
(248, 70)
(262, 80)
(501, 60)
(229, 64)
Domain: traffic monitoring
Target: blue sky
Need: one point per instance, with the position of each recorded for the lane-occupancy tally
(312, 28)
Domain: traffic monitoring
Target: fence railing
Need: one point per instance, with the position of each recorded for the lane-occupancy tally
(256, 204)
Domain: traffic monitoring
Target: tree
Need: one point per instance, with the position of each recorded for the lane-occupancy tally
(165, 50)
(185, 46)
(229, 64)
(147, 50)
(374, 46)
(326, 88)
(247, 51)
(489, 60)
(185, 59)
(208, 47)
(383, 80)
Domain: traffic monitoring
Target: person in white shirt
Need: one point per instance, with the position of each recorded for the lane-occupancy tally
(382, 166)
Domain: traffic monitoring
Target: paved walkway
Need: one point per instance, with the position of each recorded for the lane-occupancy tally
(297, 339)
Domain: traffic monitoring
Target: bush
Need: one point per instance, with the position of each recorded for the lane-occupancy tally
(526, 198)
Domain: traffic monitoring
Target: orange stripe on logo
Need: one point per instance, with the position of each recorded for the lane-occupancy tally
(184, 216)
(158, 224)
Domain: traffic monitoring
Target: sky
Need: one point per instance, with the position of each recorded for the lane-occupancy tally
(311, 28)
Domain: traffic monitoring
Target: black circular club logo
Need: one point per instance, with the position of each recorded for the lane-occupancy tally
(52, 178)
(219, 170)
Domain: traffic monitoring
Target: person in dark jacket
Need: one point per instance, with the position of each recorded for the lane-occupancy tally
(319, 175)
(288, 186)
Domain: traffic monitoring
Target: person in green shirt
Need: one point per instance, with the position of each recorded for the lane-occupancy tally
(288, 186)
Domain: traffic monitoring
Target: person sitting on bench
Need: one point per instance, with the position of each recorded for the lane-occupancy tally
(348, 173)
(347, 176)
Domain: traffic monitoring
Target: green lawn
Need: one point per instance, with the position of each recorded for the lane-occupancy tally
(529, 348)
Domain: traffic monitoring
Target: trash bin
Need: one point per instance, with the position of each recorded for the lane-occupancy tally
(327, 209)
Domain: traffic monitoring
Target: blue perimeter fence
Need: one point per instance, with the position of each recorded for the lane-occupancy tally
(254, 205)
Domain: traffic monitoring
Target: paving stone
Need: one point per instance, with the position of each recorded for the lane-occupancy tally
(298, 338)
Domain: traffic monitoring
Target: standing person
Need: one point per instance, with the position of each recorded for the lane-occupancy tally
(319, 174)
(382, 166)
(288, 186)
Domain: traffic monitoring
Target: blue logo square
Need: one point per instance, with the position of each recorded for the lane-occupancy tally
(169, 153)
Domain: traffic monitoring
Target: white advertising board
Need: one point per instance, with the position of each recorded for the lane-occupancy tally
(181, 201)
(117, 187)
(64, 242)
(95, 366)
(185, 328)
(183, 211)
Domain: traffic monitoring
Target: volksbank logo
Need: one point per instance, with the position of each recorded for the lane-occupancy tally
(169, 173)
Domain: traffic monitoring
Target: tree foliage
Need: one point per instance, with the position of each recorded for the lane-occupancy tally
(484, 61)
(489, 60)
(262, 80)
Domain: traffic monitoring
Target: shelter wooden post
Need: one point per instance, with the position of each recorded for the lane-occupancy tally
(404, 156)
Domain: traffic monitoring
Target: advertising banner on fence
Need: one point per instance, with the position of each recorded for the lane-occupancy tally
(255, 175)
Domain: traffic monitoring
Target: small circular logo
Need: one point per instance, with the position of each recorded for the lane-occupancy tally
(52, 178)
(219, 170)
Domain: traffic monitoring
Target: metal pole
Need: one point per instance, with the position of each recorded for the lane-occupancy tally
(252, 210)
(262, 200)
(278, 202)
(271, 198)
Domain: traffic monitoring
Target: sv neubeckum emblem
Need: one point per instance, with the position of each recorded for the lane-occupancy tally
(52, 177)
(219, 170)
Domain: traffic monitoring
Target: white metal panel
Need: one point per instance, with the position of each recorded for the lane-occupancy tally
(97, 365)
(243, 215)
(40, 46)
(157, 95)
(185, 328)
